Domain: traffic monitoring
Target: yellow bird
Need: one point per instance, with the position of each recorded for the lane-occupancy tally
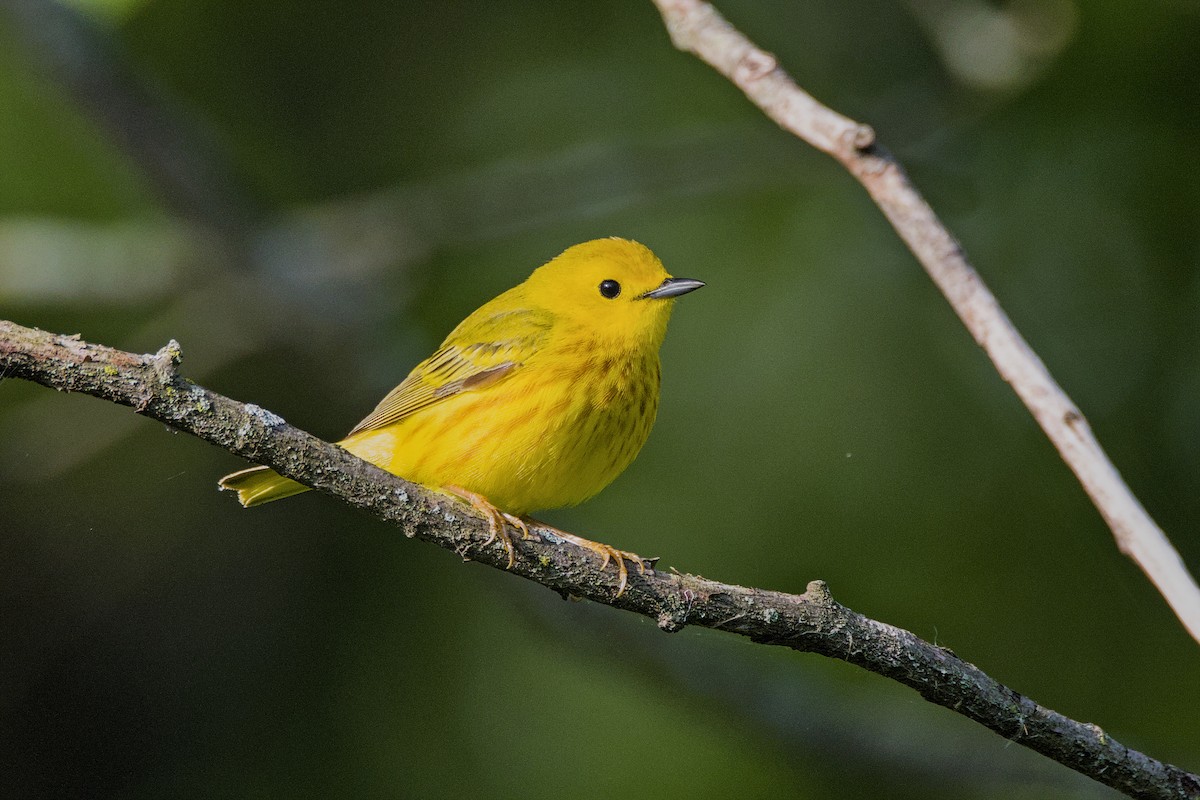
(537, 400)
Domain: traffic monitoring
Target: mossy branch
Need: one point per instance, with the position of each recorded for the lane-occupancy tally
(812, 622)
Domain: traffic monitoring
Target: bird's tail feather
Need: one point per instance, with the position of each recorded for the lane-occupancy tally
(259, 485)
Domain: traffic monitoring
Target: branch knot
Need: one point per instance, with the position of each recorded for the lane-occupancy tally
(754, 65)
(165, 361)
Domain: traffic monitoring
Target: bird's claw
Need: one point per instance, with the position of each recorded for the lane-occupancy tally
(496, 520)
(608, 553)
(517, 523)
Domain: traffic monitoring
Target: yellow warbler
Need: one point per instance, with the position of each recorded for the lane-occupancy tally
(538, 399)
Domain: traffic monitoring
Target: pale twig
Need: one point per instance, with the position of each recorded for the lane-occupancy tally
(698, 28)
(812, 622)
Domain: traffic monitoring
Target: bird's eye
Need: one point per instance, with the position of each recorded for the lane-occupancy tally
(610, 288)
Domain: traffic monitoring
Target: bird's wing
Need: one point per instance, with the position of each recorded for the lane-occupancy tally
(483, 350)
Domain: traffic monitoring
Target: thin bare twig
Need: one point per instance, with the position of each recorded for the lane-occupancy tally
(812, 622)
(697, 27)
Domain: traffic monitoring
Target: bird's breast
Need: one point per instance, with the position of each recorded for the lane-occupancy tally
(553, 434)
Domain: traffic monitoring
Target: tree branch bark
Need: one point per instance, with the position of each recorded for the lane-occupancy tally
(812, 622)
(698, 28)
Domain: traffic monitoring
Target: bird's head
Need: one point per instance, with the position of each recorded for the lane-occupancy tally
(614, 288)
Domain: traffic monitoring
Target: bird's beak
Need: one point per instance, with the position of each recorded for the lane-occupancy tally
(672, 287)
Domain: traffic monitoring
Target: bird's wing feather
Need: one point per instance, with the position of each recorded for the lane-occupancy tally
(485, 349)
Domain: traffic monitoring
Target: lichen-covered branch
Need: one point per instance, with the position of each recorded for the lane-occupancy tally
(811, 622)
(696, 27)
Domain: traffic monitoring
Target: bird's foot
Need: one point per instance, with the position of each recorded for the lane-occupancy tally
(496, 519)
(608, 553)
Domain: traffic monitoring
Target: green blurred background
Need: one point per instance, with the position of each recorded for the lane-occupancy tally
(309, 195)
